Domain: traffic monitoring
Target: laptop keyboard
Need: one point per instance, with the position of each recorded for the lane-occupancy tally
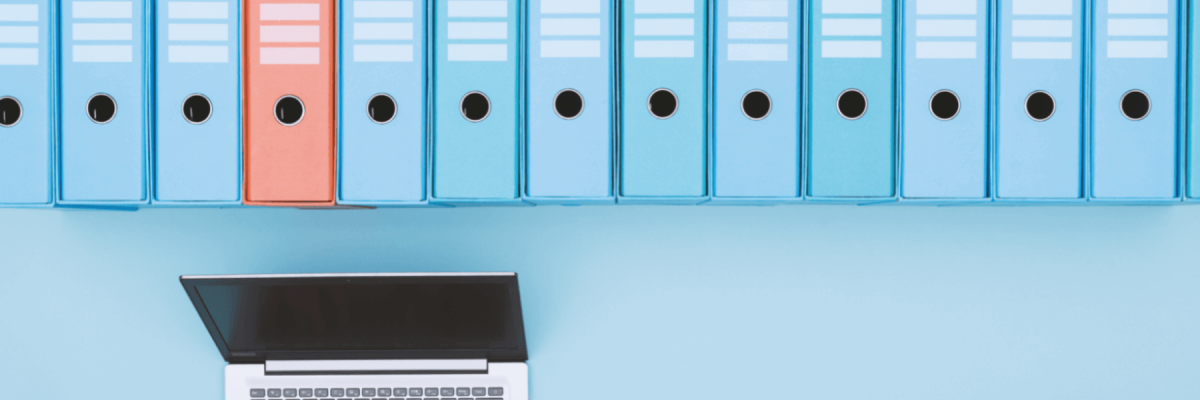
(409, 393)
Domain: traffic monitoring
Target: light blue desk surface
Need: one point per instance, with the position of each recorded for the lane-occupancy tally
(811, 302)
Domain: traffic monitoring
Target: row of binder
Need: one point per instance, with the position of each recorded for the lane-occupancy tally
(320, 103)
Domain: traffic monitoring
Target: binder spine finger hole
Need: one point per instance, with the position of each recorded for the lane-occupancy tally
(944, 105)
(475, 106)
(10, 111)
(381, 108)
(568, 104)
(101, 108)
(852, 104)
(1135, 105)
(1039, 106)
(756, 105)
(197, 109)
(662, 103)
(289, 110)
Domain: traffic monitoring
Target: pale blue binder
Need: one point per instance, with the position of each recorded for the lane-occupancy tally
(1136, 125)
(476, 100)
(382, 122)
(944, 101)
(27, 61)
(103, 103)
(1193, 76)
(756, 102)
(569, 135)
(850, 111)
(664, 76)
(1040, 65)
(198, 114)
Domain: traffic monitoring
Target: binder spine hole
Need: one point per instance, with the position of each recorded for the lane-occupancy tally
(381, 108)
(1039, 106)
(568, 104)
(289, 110)
(197, 109)
(852, 104)
(101, 108)
(756, 105)
(475, 106)
(1135, 105)
(10, 111)
(662, 103)
(944, 105)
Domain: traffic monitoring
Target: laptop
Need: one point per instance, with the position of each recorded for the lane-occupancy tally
(403, 336)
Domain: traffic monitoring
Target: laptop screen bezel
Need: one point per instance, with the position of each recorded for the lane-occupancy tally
(192, 283)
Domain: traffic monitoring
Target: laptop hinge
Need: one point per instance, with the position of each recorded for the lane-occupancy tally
(360, 367)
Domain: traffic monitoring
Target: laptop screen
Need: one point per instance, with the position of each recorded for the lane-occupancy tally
(363, 316)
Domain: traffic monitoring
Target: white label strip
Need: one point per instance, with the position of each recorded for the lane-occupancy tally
(851, 49)
(383, 9)
(664, 49)
(570, 6)
(101, 9)
(289, 34)
(477, 30)
(758, 8)
(102, 31)
(1041, 50)
(383, 31)
(1137, 27)
(851, 27)
(101, 53)
(570, 49)
(1137, 49)
(664, 27)
(477, 52)
(198, 54)
(946, 28)
(289, 55)
(1043, 28)
(18, 34)
(477, 9)
(664, 7)
(570, 27)
(1043, 7)
(19, 12)
(197, 10)
(198, 32)
(18, 56)
(383, 53)
(946, 7)
(852, 7)
(289, 12)
(757, 52)
(1137, 6)
(758, 30)
(944, 50)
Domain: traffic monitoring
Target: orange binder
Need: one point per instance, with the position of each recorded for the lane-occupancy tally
(289, 99)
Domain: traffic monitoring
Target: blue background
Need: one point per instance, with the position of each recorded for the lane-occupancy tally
(813, 302)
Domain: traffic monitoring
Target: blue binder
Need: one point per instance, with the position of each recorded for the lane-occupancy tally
(198, 113)
(663, 138)
(382, 122)
(850, 111)
(1039, 141)
(944, 106)
(26, 102)
(1135, 127)
(103, 104)
(569, 126)
(756, 102)
(1193, 149)
(476, 133)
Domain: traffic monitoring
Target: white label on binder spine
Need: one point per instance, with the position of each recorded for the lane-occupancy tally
(570, 49)
(946, 7)
(664, 49)
(289, 55)
(289, 12)
(1041, 50)
(758, 8)
(198, 32)
(198, 54)
(383, 53)
(758, 30)
(1137, 6)
(851, 27)
(477, 30)
(664, 7)
(289, 34)
(477, 9)
(19, 12)
(18, 34)
(197, 10)
(24, 56)
(477, 52)
(383, 9)
(852, 7)
(946, 50)
(664, 27)
(101, 53)
(1043, 7)
(851, 49)
(757, 52)
(1137, 49)
(101, 9)
(1137, 27)
(383, 31)
(570, 6)
(570, 27)
(102, 31)
(946, 28)
(1042, 28)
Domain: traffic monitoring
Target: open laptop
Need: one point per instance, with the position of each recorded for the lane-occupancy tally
(402, 336)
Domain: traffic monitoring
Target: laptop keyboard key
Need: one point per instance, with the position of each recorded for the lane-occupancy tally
(478, 391)
(322, 392)
(368, 392)
(447, 392)
(431, 392)
(337, 392)
(258, 393)
(289, 392)
(351, 392)
(400, 392)
(462, 392)
(274, 392)
(385, 392)
(495, 391)
(306, 393)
